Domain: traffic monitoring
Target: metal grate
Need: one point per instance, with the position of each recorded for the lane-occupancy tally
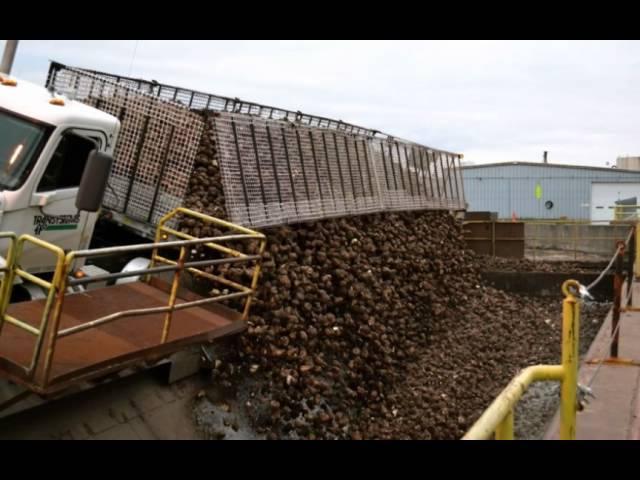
(276, 172)
(156, 147)
(195, 100)
(277, 166)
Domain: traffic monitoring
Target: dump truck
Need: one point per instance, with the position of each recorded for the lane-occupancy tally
(65, 322)
(98, 273)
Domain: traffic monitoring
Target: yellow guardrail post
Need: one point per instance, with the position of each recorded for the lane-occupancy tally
(174, 294)
(8, 276)
(59, 286)
(570, 341)
(637, 259)
(498, 419)
(254, 281)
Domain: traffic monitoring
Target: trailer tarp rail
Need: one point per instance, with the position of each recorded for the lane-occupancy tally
(195, 100)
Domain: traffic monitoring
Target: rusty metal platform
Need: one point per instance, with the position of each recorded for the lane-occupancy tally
(112, 346)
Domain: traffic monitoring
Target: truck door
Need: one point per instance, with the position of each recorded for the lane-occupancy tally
(53, 214)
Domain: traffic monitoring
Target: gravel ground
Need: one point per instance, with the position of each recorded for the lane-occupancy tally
(218, 414)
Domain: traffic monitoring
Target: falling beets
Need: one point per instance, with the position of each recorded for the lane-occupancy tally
(374, 326)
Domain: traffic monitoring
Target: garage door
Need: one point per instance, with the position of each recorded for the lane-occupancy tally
(605, 195)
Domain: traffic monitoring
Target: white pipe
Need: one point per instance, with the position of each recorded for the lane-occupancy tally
(9, 54)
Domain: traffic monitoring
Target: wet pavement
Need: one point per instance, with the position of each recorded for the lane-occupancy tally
(140, 407)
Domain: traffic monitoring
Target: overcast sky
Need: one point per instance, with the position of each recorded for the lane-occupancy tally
(493, 101)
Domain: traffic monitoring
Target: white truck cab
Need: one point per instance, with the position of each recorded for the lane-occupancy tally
(45, 141)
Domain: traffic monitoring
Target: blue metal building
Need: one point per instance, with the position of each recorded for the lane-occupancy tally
(547, 190)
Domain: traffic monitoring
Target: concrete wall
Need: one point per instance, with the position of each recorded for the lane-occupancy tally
(595, 239)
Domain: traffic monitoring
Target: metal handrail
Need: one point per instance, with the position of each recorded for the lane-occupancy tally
(498, 417)
(551, 221)
(169, 268)
(146, 311)
(52, 288)
(7, 282)
(99, 252)
(64, 266)
(163, 230)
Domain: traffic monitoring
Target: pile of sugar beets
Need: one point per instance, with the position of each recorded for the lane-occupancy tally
(375, 326)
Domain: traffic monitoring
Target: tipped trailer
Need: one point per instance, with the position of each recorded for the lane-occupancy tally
(94, 171)
(276, 166)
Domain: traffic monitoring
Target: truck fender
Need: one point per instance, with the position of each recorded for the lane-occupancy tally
(35, 291)
(138, 263)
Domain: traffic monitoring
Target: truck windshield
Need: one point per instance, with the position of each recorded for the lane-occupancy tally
(21, 141)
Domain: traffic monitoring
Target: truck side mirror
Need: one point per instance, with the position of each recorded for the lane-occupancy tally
(94, 181)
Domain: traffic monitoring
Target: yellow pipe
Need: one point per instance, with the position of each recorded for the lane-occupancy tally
(630, 309)
(57, 251)
(32, 278)
(51, 287)
(174, 293)
(60, 282)
(637, 259)
(570, 340)
(217, 221)
(210, 276)
(505, 429)
(20, 324)
(543, 222)
(215, 246)
(254, 281)
(504, 403)
(7, 279)
(208, 219)
(543, 237)
(614, 361)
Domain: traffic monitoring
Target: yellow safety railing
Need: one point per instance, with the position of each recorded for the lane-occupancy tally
(499, 417)
(12, 270)
(5, 286)
(163, 231)
(62, 279)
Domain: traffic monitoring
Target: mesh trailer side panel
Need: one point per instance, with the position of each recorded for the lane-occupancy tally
(276, 172)
(277, 166)
(157, 143)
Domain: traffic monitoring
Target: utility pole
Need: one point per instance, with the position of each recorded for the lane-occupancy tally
(8, 56)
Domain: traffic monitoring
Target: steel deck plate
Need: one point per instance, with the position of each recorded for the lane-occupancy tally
(112, 346)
